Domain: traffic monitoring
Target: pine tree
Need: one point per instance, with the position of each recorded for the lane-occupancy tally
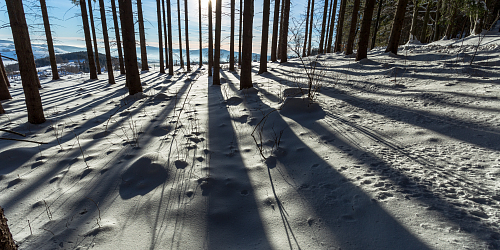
(309, 46)
(397, 25)
(218, 15)
(109, 63)
(265, 35)
(274, 39)
(284, 33)
(304, 50)
(129, 49)
(180, 38)
(375, 29)
(188, 61)
(4, 72)
(340, 26)
(352, 31)
(26, 61)
(246, 60)
(323, 25)
(413, 28)
(160, 36)
(50, 44)
(88, 40)
(332, 24)
(231, 39)
(4, 88)
(94, 37)
(241, 28)
(364, 33)
(201, 42)
(165, 34)
(142, 37)
(210, 40)
(118, 40)
(6, 240)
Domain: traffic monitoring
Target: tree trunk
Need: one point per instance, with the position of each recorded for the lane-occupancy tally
(210, 40)
(201, 38)
(375, 29)
(310, 29)
(323, 25)
(340, 26)
(88, 40)
(50, 44)
(241, 29)
(352, 31)
(118, 40)
(109, 63)
(4, 72)
(364, 33)
(274, 39)
(160, 36)
(4, 89)
(26, 61)
(188, 61)
(6, 240)
(170, 49)
(265, 35)
(180, 38)
(413, 29)
(246, 60)
(423, 35)
(94, 36)
(332, 23)
(165, 34)
(284, 33)
(142, 37)
(397, 25)
(451, 22)
(281, 30)
(436, 21)
(304, 50)
(2, 111)
(325, 43)
(218, 15)
(132, 75)
(231, 39)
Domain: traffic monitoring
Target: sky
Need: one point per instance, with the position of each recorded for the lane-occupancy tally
(66, 22)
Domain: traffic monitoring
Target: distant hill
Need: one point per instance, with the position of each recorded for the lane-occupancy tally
(60, 58)
(8, 49)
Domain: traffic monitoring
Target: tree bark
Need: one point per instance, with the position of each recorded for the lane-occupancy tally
(284, 33)
(423, 35)
(364, 33)
(413, 29)
(246, 60)
(218, 15)
(340, 26)
(352, 32)
(88, 40)
(375, 29)
(265, 35)
(451, 22)
(323, 25)
(201, 38)
(94, 36)
(4, 89)
(397, 25)
(210, 40)
(327, 28)
(310, 29)
(160, 36)
(50, 44)
(109, 63)
(165, 34)
(280, 37)
(332, 23)
(241, 28)
(142, 38)
(180, 38)
(26, 61)
(4, 72)
(170, 49)
(186, 29)
(118, 40)
(274, 39)
(231, 39)
(304, 50)
(436, 21)
(6, 240)
(132, 75)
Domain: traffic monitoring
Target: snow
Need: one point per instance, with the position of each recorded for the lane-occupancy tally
(395, 152)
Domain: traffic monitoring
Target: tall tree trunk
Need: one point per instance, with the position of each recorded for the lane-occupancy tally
(352, 31)
(50, 44)
(241, 28)
(280, 37)
(274, 39)
(26, 61)
(364, 33)
(231, 38)
(284, 33)
(168, 37)
(246, 61)
(129, 49)
(340, 26)
(218, 15)
(4, 73)
(265, 35)
(109, 63)
(142, 37)
(160, 36)
(332, 23)
(210, 40)
(201, 41)
(423, 35)
(375, 29)
(4, 88)
(310, 29)
(397, 25)
(413, 29)
(436, 21)
(188, 61)
(180, 38)
(88, 40)
(451, 22)
(328, 26)
(94, 36)
(323, 26)
(304, 50)
(118, 40)
(6, 240)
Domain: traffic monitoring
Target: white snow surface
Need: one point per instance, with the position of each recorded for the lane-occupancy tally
(395, 152)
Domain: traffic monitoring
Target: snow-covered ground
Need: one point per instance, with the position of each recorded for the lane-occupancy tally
(397, 152)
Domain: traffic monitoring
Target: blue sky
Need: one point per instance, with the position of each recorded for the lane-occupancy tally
(67, 28)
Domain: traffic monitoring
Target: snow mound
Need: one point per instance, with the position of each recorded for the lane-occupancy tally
(298, 107)
(12, 158)
(143, 175)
